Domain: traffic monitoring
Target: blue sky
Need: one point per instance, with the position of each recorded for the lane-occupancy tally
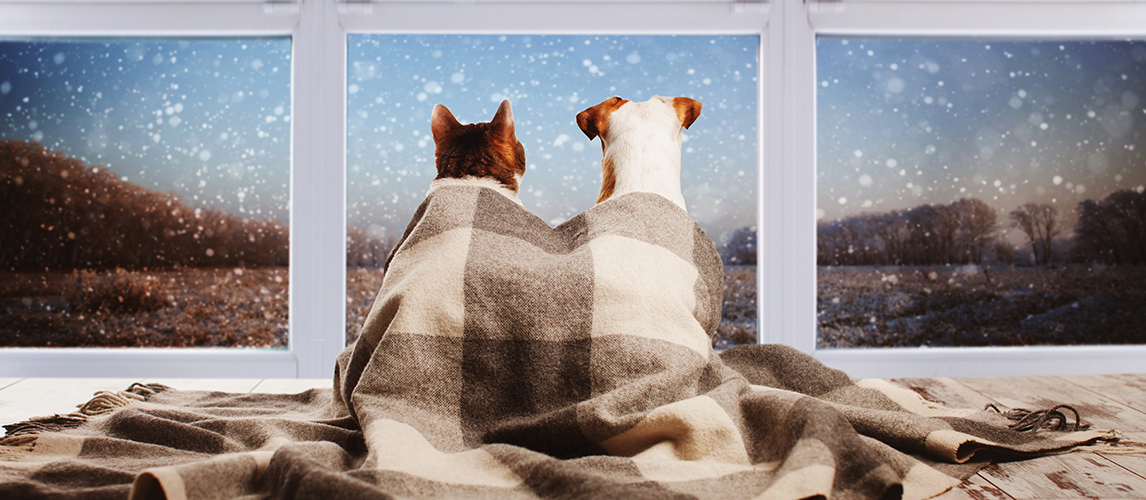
(395, 80)
(208, 119)
(900, 122)
(904, 122)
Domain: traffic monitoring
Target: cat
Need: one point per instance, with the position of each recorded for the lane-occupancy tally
(478, 154)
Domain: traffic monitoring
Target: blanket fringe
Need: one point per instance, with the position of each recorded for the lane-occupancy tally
(1113, 444)
(103, 402)
(15, 448)
(36, 425)
(1053, 419)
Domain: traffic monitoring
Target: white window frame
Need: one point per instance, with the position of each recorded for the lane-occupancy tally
(791, 303)
(309, 350)
(786, 269)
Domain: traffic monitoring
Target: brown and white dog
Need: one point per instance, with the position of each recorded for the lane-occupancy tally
(478, 154)
(640, 143)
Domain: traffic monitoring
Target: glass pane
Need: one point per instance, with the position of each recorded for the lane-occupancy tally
(144, 189)
(395, 80)
(980, 192)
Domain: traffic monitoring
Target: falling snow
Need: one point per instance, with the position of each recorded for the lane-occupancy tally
(395, 80)
(166, 114)
(1045, 122)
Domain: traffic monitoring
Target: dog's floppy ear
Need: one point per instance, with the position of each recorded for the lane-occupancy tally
(442, 123)
(502, 123)
(590, 119)
(587, 122)
(687, 110)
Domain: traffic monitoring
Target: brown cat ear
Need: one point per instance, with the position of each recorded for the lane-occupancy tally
(442, 123)
(502, 123)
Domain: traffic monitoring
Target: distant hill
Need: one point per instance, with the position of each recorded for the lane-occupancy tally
(57, 213)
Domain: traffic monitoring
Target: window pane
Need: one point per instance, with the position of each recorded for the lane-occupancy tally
(980, 192)
(395, 80)
(144, 191)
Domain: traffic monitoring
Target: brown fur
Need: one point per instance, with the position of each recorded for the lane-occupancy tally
(595, 122)
(608, 180)
(483, 149)
(687, 110)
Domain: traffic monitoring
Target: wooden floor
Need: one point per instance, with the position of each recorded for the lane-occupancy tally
(1106, 401)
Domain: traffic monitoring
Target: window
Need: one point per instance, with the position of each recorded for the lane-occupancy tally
(394, 81)
(71, 45)
(318, 34)
(993, 195)
(151, 178)
(786, 117)
(937, 32)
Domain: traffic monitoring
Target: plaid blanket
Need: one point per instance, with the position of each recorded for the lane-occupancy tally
(507, 359)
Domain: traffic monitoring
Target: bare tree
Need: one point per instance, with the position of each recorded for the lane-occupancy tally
(1040, 223)
(365, 249)
(740, 249)
(1004, 251)
(957, 233)
(978, 224)
(1112, 230)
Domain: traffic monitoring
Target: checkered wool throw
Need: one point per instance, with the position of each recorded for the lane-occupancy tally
(507, 359)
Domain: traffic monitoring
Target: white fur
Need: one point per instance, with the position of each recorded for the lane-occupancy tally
(644, 144)
(477, 181)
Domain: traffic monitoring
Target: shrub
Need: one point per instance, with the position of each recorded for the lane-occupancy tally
(115, 292)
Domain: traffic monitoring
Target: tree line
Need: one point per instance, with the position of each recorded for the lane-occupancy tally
(57, 213)
(368, 250)
(961, 232)
(967, 231)
(1112, 231)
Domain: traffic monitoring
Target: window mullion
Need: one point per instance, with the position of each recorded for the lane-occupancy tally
(318, 258)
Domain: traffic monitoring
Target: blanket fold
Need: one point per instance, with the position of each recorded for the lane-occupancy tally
(506, 359)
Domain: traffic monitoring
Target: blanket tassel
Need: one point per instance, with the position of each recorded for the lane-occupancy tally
(103, 402)
(1055, 419)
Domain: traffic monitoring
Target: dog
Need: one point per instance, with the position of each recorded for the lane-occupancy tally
(640, 144)
(484, 154)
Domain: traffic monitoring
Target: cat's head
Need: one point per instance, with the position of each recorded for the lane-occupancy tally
(485, 150)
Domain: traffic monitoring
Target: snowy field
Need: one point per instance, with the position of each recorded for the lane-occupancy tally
(189, 308)
(950, 306)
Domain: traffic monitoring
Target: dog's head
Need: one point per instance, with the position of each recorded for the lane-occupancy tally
(669, 113)
(482, 150)
(647, 130)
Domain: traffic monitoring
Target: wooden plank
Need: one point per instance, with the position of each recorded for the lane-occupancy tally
(292, 385)
(36, 397)
(1135, 464)
(1070, 476)
(240, 385)
(975, 488)
(945, 391)
(1129, 389)
(1039, 393)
